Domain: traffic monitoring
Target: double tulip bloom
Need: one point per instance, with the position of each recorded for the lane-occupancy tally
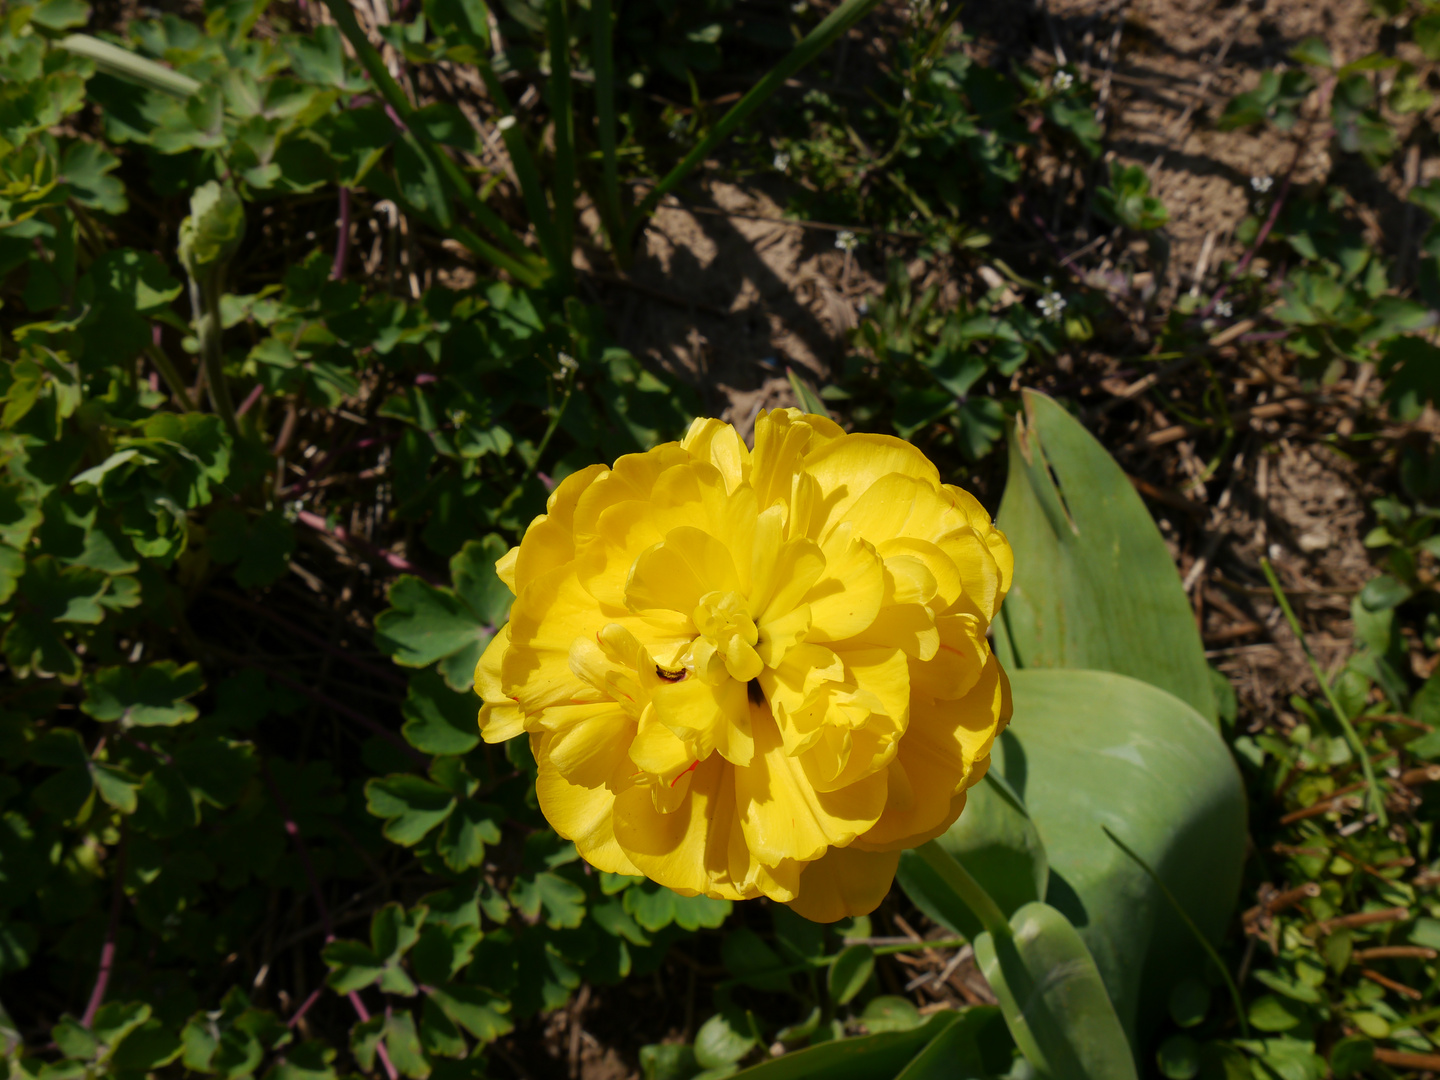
(754, 672)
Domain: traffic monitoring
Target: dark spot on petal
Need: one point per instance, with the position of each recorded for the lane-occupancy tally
(757, 696)
(669, 676)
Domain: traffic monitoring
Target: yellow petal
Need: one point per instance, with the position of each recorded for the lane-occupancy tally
(847, 597)
(979, 572)
(944, 750)
(941, 568)
(953, 669)
(591, 748)
(708, 718)
(549, 542)
(500, 716)
(784, 816)
(582, 814)
(548, 615)
(845, 883)
(796, 566)
(677, 572)
(505, 567)
(779, 636)
(847, 467)
(657, 750)
(718, 443)
(687, 849)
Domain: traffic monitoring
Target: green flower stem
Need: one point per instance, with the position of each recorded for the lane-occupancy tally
(205, 304)
(970, 891)
(1195, 930)
(166, 367)
(1372, 786)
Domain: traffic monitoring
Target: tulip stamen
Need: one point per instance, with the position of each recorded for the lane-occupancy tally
(757, 695)
(670, 676)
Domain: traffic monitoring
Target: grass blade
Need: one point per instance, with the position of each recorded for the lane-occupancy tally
(1372, 786)
(602, 55)
(836, 23)
(562, 107)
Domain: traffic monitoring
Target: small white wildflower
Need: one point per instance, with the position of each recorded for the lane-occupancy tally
(863, 307)
(782, 161)
(505, 123)
(846, 240)
(1261, 183)
(1062, 81)
(799, 7)
(1224, 309)
(1259, 272)
(1051, 305)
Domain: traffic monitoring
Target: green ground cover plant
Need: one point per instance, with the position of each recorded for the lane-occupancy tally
(251, 500)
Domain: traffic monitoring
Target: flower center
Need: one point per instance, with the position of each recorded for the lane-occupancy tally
(726, 645)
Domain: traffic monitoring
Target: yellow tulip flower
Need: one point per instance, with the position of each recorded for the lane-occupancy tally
(754, 672)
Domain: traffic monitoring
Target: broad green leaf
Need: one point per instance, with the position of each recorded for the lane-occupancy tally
(1000, 847)
(426, 623)
(261, 547)
(890, 1013)
(1053, 998)
(656, 907)
(977, 1045)
(311, 1060)
(216, 770)
(352, 966)
(562, 901)
(150, 1046)
(114, 1021)
(466, 832)
(475, 1009)
(402, 1042)
(725, 1038)
(850, 972)
(150, 696)
(116, 786)
(472, 571)
(439, 720)
(1094, 584)
(411, 804)
(394, 931)
(438, 1033)
(1091, 749)
(871, 1057)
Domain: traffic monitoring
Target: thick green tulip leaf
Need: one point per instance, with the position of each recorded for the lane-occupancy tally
(1094, 584)
(1053, 998)
(1091, 749)
(974, 1046)
(871, 1057)
(997, 843)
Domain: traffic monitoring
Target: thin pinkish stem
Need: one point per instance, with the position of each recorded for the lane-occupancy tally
(107, 950)
(250, 399)
(339, 532)
(342, 242)
(292, 828)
